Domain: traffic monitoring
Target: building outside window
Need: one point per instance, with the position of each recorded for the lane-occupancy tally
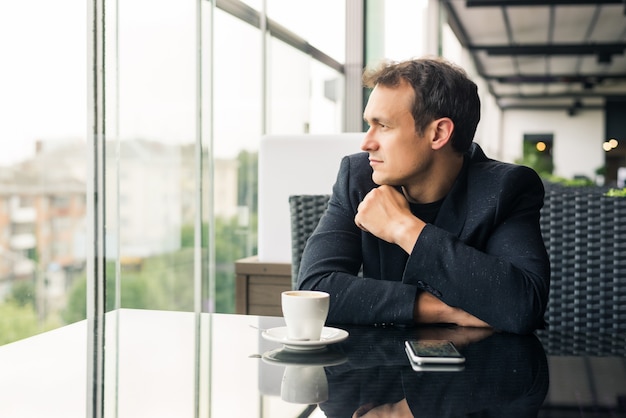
(153, 82)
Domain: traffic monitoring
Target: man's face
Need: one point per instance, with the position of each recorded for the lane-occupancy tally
(398, 155)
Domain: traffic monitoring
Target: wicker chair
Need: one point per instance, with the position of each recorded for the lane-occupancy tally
(585, 236)
(306, 211)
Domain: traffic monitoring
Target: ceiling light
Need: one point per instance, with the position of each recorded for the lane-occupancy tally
(541, 146)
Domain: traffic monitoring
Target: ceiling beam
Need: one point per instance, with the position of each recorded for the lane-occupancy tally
(553, 49)
(253, 17)
(459, 31)
(554, 78)
(565, 95)
(455, 24)
(522, 106)
(526, 3)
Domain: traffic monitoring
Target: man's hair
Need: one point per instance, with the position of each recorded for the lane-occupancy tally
(441, 88)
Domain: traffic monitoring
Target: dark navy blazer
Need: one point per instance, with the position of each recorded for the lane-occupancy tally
(484, 253)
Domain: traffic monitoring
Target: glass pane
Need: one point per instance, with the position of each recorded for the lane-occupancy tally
(288, 89)
(327, 98)
(397, 30)
(405, 26)
(42, 165)
(154, 197)
(305, 96)
(238, 119)
(321, 23)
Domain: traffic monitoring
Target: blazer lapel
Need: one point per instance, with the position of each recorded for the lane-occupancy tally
(454, 205)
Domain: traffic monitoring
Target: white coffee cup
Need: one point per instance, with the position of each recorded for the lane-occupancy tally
(305, 313)
(304, 385)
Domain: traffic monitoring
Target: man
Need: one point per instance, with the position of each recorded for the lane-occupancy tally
(442, 233)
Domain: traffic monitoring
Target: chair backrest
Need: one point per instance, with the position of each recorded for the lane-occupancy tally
(306, 211)
(585, 236)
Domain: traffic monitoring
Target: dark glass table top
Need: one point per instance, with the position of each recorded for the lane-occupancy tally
(550, 374)
(165, 364)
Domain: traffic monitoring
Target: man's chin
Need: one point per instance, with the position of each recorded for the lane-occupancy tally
(382, 180)
(378, 179)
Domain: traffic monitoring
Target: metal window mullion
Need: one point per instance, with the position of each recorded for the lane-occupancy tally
(96, 297)
(353, 107)
(204, 272)
(198, 233)
(258, 19)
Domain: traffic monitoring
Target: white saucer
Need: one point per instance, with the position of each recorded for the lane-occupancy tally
(285, 357)
(329, 336)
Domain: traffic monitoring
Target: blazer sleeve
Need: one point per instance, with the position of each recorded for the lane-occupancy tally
(497, 269)
(333, 257)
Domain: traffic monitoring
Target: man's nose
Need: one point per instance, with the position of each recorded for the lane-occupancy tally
(369, 142)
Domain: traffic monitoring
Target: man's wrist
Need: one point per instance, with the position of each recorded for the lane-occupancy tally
(429, 310)
(410, 234)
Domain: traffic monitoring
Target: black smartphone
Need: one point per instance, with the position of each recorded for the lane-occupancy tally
(435, 367)
(433, 352)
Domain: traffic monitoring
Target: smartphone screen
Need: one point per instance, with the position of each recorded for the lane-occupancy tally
(433, 351)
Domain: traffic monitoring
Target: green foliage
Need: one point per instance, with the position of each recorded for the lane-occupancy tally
(156, 286)
(187, 235)
(76, 309)
(18, 317)
(541, 162)
(247, 180)
(616, 192)
(17, 322)
(165, 282)
(578, 182)
(22, 293)
(231, 243)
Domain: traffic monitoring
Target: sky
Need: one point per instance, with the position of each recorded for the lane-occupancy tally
(43, 78)
(42, 71)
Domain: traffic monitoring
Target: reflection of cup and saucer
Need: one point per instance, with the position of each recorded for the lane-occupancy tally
(286, 357)
(304, 380)
(304, 385)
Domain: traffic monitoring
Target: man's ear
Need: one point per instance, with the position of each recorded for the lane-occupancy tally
(443, 129)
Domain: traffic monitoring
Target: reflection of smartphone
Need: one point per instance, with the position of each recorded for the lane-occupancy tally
(435, 367)
(433, 351)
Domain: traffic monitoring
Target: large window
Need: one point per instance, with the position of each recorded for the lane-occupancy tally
(156, 83)
(150, 154)
(42, 165)
(284, 91)
(180, 100)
